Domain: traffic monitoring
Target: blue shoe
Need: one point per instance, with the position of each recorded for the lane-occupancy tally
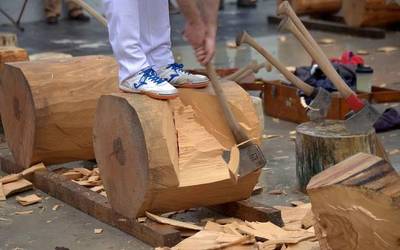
(175, 75)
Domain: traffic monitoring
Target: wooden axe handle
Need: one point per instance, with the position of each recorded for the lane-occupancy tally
(232, 77)
(91, 11)
(308, 90)
(317, 52)
(237, 131)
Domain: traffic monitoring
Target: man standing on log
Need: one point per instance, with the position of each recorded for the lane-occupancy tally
(139, 33)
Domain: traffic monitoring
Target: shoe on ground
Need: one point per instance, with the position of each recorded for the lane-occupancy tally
(52, 20)
(148, 82)
(174, 74)
(79, 17)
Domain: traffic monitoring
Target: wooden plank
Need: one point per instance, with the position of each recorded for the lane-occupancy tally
(97, 206)
(335, 27)
(250, 211)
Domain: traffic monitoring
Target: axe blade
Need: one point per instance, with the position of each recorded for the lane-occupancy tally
(363, 120)
(319, 106)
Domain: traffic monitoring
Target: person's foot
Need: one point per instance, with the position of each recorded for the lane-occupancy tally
(80, 17)
(148, 82)
(52, 20)
(174, 74)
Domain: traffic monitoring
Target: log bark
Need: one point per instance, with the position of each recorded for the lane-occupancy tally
(48, 107)
(320, 146)
(371, 13)
(304, 7)
(161, 156)
(356, 204)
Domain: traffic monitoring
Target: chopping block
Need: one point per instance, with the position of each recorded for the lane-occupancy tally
(322, 145)
(162, 156)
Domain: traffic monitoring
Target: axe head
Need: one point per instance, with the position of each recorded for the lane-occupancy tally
(319, 106)
(363, 120)
(251, 158)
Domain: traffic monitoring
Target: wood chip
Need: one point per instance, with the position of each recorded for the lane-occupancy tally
(94, 178)
(296, 203)
(394, 151)
(294, 214)
(282, 38)
(308, 220)
(98, 230)
(103, 193)
(258, 189)
(387, 49)
(172, 222)
(55, 207)
(16, 187)
(304, 245)
(2, 195)
(276, 120)
(362, 52)
(231, 44)
(141, 219)
(291, 69)
(230, 220)
(83, 171)
(72, 175)
(23, 212)
(267, 137)
(97, 189)
(326, 41)
(277, 158)
(277, 192)
(293, 132)
(34, 168)
(10, 178)
(28, 200)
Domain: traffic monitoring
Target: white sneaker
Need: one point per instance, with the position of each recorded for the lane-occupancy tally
(148, 82)
(179, 78)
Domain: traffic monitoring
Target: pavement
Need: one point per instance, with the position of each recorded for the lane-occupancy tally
(68, 228)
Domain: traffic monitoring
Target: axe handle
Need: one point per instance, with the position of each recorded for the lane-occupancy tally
(232, 77)
(237, 131)
(308, 90)
(319, 56)
(91, 11)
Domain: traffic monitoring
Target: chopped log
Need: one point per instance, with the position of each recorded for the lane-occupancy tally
(320, 146)
(304, 7)
(48, 107)
(371, 13)
(12, 54)
(356, 204)
(8, 39)
(167, 156)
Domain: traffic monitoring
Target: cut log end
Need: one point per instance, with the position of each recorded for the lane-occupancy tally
(121, 154)
(18, 114)
(356, 204)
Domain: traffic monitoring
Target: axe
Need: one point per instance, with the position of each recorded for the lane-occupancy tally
(251, 158)
(252, 67)
(318, 108)
(363, 115)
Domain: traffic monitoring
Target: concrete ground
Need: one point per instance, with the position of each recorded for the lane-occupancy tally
(69, 228)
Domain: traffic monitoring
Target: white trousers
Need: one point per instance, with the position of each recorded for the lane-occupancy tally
(139, 33)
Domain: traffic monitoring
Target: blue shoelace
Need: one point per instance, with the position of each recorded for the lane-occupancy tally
(149, 74)
(175, 66)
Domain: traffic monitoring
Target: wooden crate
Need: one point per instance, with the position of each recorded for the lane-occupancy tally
(282, 101)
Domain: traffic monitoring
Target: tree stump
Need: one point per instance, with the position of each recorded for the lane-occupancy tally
(356, 204)
(8, 39)
(304, 7)
(371, 13)
(320, 146)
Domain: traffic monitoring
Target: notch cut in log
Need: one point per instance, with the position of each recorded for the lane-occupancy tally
(320, 146)
(304, 7)
(48, 107)
(370, 13)
(356, 204)
(162, 156)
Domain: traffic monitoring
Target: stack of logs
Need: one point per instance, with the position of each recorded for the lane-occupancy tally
(356, 13)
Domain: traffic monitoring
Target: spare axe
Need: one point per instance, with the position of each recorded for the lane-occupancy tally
(251, 156)
(318, 108)
(363, 115)
(252, 67)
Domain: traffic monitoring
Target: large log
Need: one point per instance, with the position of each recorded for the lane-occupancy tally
(161, 156)
(371, 13)
(356, 204)
(320, 146)
(48, 107)
(303, 7)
